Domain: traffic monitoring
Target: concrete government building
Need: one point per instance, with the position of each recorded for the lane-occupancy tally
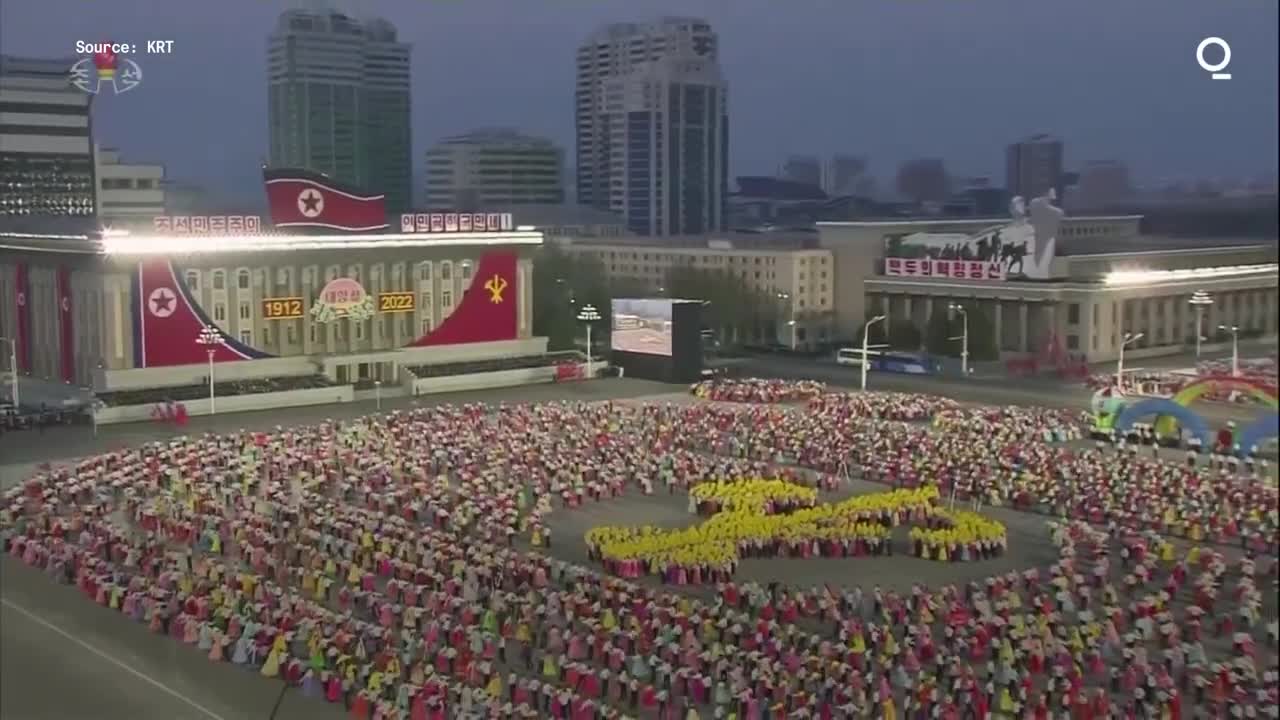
(1083, 282)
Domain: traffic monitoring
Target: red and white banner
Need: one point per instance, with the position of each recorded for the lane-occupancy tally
(22, 301)
(66, 330)
(950, 269)
(456, 222)
(300, 199)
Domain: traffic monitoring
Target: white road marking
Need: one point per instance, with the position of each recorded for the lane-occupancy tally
(111, 659)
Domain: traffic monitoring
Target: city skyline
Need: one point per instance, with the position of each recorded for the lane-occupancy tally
(1144, 102)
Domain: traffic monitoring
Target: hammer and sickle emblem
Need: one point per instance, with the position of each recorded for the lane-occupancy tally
(496, 286)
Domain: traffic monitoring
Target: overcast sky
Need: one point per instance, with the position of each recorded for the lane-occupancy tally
(891, 79)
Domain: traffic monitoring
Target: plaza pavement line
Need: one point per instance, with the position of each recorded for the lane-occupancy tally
(111, 659)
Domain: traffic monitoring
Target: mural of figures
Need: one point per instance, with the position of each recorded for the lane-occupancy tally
(1024, 247)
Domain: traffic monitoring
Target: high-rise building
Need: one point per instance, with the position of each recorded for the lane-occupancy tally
(805, 169)
(338, 101)
(127, 192)
(494, 169)
(612, 51)
(668, 153)
(1103, 183)
(844, 173)
(46, 145)
(1034, 166)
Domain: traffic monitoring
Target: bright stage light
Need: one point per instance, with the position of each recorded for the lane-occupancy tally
(1143, 277)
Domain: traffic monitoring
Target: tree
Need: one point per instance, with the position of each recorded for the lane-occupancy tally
(904, 335)
(938, 334)
(982, 335)
(734, 310)
(562, 283)
(924, 180)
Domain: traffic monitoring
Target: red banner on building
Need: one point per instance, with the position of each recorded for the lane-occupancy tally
(66, 328)
(951, 269)
(487, 311)
(169, 322)
(23, 300)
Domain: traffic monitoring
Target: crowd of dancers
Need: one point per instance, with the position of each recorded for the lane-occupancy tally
(404, 566)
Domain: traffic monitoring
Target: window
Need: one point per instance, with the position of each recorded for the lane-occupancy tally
(446, 270)
(242, 279)
(246, 337)
(291, 334)
(424, 301)
(193, 280)
(266, 335)
(312, 332)
(446, 300)
(219, 280)
(1073, 314)
(219, 312)
(283, 277)
(244, 311)
(466, 270)
(359, 330)
(426, 325)
(424, 271)
(1073, 342)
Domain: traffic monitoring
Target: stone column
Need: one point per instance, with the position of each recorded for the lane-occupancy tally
(997, 325)
(1024, 341)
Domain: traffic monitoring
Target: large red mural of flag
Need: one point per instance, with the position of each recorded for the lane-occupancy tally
(168, 321)
(487, 310)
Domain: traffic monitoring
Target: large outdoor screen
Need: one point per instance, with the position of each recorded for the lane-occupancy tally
(642, 326)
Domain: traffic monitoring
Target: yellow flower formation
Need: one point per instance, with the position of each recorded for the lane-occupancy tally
(744, 520)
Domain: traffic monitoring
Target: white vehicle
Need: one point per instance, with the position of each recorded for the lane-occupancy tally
(852, 356)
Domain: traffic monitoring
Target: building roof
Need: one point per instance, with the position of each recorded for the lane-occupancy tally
(763, 186)
(1073, 247)
(550, 215)
(763, 241)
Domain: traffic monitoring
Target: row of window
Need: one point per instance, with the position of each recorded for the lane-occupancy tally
(128, 183)
(284, 276)
(1241, 302)
(381, 329)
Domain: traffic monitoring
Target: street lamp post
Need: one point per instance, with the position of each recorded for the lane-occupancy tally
(964, 337)
(866, 334)
(13, 371)
(1235, 347)
(377, 393)
(1124, 343)
(210, 338)
(791, 310)
(1200, 300)
(588, 314)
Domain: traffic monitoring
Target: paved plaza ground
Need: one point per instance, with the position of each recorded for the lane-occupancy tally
(62, 658)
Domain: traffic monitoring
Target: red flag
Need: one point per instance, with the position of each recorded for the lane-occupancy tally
(168, 322)
(487, 312)
(302, 199)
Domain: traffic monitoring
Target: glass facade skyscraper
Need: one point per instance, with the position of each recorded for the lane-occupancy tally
(338, 101)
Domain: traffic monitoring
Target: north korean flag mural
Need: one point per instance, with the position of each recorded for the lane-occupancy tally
(298, 198)
(66, 330)
(23, 302)
(167, 322)
(487, 312)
